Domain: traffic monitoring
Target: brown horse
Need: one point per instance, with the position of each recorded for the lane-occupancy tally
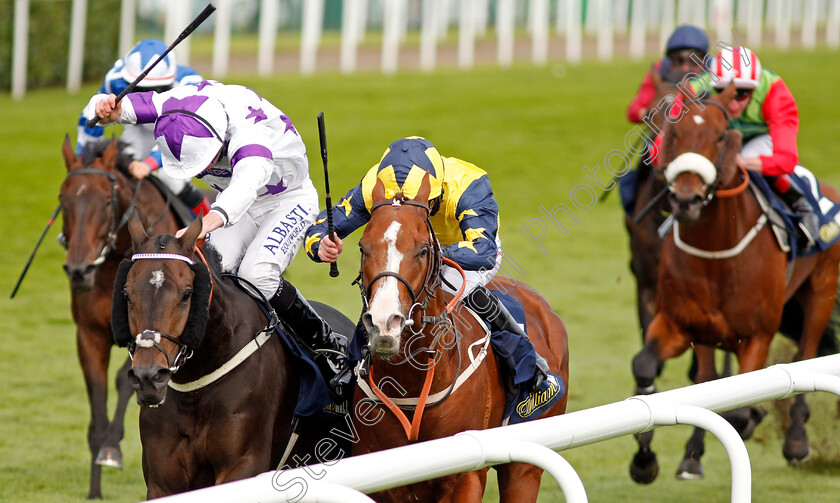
(97, 196)
(722, 279)
(234, 384)
(400, 274)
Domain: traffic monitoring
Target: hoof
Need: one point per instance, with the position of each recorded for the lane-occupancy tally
(644, 468)
(796, 451)
(690, 469)
(756, 416)
(109, 456)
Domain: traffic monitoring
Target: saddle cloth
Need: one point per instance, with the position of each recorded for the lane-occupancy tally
(826, 210)
(314, 394)
(518, 356)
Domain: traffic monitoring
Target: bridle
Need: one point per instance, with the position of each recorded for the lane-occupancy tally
(714, 189)
(116, 224)
(151, 338)
(431, 282)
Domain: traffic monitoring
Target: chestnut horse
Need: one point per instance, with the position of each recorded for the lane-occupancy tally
(408, 314)
(722, 279)
(97, 197)
(234, 383)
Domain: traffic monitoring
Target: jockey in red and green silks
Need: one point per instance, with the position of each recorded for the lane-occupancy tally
(765, 112)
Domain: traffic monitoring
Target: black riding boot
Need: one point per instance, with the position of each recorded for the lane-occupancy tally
(809, 223)
(489, 307)
(330, 348)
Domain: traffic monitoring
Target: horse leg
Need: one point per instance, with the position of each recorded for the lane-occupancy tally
(109, 453)
(94, 353)
(703, 370)
(817, 307)
(663, 340)
(519, 482)
(469, 488)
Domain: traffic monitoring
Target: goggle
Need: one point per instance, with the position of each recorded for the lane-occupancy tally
(740, 94)
(684, 58)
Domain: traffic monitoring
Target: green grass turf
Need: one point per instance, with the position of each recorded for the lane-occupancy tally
(532, 129)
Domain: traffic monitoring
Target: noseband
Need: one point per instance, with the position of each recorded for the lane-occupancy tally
(715, 189)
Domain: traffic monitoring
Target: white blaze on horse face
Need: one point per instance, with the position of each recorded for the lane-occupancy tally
(386, 300)
(157, 279)
(81, 190)
(699, 120)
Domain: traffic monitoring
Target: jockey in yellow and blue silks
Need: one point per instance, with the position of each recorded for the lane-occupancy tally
(465, 218)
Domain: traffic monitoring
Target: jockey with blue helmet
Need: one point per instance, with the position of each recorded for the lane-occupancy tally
(465, 218)
(684, 53)
(139, 139)
(249, 151)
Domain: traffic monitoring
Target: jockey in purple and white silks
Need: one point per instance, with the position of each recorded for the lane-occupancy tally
(248, 150)
(140, 138)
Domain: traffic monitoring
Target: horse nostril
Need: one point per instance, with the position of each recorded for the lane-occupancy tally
(396, 322)
(162, 375)
(133, 379)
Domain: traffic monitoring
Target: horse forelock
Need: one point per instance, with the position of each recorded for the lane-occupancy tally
(96, 150)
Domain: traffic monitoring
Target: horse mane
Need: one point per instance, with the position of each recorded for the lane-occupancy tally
(97, 149)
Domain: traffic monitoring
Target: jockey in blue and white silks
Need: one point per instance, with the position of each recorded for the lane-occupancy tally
(249, 151)
(465, 218)
(139, 138)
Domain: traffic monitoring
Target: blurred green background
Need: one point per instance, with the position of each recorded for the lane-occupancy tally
(532, 129)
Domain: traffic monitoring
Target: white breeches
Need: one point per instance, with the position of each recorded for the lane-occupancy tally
(472, 278)
(760, 145)
(266, 239)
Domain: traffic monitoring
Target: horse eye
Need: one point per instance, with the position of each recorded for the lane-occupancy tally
(424, 251)
(187, 294)
(126, 297)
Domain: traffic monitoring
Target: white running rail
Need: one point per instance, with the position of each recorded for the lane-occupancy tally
(536, 442)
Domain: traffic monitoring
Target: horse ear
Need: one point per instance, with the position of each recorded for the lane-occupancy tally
(109, 156)
(656, 77)
(137, 231)
(191, 235)
(666, 148)
(378, 192)
(424, 190)
(727, 95)
(67, 152)
(733, 146)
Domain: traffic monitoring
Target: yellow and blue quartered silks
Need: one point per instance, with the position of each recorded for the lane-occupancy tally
(466, 224)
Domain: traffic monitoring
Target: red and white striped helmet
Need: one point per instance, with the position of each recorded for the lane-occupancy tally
(739, 64)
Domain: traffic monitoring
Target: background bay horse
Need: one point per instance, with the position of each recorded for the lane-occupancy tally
(97, 196)
(735, 300)
(400, 275)
(182, 320)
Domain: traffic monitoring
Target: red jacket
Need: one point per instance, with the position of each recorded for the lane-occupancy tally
(644, 96)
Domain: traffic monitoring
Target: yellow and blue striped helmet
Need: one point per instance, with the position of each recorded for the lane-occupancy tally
(405, 163)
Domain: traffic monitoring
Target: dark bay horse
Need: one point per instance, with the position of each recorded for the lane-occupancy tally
(97, 196)
(411, 323)
(234, 386)
(722, 279)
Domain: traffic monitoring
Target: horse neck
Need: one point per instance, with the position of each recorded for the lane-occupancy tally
(234, 321)
(724, 222)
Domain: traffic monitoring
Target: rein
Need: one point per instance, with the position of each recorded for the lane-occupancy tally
(723, 193)
(116, 225)
(431, 283)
